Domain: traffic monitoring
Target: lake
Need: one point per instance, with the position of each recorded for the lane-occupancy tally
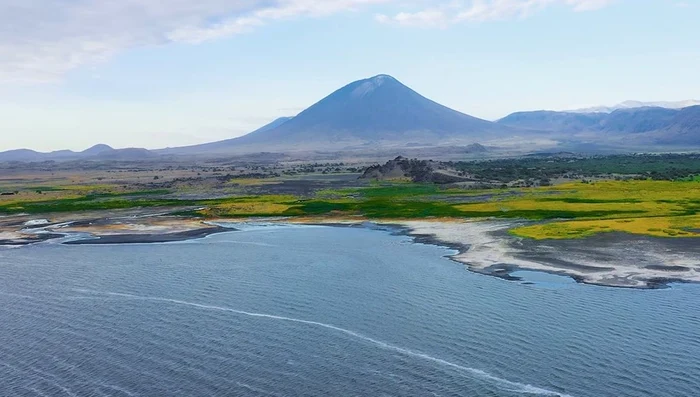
(317, 311)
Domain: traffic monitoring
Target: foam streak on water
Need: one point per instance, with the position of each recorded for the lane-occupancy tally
(473, 372)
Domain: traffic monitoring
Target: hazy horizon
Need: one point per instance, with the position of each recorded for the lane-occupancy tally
(163, 75)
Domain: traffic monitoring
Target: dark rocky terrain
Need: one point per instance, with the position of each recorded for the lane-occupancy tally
(415, 170)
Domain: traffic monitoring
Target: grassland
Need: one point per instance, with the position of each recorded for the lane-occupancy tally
(645, 166)
(655, 208)
(570, 210)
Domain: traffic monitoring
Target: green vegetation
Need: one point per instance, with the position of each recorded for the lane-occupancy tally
(601, 200)
(640, 166)
(691, 178)
(658, 208)
(658, 196)
(87, 203)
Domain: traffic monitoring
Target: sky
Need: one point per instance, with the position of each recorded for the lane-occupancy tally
(164, 73)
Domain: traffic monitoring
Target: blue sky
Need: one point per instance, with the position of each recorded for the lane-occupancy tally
(156, 73)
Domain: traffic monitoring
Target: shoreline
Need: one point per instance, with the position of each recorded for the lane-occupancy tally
(151, 238)
(616, 260)
(488, 249)
(142, 226)
(482, 246)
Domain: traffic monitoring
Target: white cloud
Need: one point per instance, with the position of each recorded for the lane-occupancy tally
(485, 10)
(283, 9)
(41, 40)
(425, 18)
(589, 5)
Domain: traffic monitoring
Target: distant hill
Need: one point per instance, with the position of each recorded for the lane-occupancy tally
(637, 120)
(638, 104)
(546, 120)
(649, 125)
(97, 149)
(97, 152)
(21, 155)
(683, 128)
(124, 154)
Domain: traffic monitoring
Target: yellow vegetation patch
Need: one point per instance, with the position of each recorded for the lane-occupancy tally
(681, 226)
(27, 197)
(55, 192)
(621, 199)
(89, 188)
(644, 191)
(533, 204)
(654, 208)
(399, 179)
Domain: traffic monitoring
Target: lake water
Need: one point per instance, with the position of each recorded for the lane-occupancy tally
(291, 311)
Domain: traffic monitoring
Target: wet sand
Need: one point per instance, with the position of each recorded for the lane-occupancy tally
(19, 239)
(127, 238)
(107, 227)
(610, 259)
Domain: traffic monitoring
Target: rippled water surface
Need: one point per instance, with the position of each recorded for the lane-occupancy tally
(327, 311)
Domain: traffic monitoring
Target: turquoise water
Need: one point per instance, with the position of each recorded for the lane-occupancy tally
(287, 311)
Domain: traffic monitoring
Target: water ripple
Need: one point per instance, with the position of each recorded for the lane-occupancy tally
(477, 373)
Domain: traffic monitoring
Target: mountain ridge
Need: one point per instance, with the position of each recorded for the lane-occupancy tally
(96, 152)
(380, 113)
(632, 104)
(653, 125)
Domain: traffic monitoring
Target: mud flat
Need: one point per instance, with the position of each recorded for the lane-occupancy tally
(145, 238)
(140, 230)
(610, 259)
(17, 238)
(114, 227)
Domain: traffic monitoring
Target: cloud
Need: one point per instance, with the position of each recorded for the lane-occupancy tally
(281, 10)
(484, 10)
(426, 18)
(42, 40)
